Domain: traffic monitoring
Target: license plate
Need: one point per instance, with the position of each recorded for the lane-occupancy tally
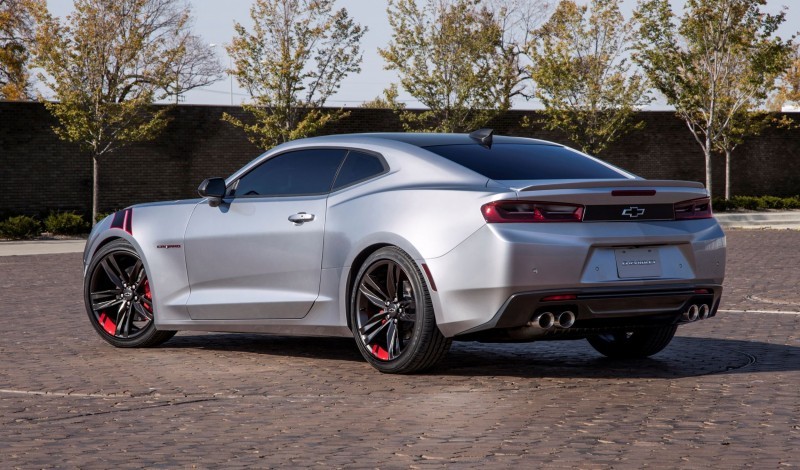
(638, 262)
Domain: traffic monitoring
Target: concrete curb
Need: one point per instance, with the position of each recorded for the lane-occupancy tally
(41, 247)
(775, 220)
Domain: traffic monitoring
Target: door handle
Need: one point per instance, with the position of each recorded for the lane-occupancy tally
(301, 218)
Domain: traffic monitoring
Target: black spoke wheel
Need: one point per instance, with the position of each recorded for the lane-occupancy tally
(119, 300)
(633, 344)
(392, 315)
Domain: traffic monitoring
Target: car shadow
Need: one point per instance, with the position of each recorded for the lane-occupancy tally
(684, 357)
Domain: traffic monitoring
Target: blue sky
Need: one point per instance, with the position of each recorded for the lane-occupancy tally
(214, 21)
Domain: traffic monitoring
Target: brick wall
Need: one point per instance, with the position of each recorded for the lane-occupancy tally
(40, 173)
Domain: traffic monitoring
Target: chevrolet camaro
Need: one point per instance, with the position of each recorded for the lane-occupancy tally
(410, 241)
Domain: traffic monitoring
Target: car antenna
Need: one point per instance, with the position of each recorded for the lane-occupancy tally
(484, 136)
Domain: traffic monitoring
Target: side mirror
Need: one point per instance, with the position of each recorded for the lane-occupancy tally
(212, 188)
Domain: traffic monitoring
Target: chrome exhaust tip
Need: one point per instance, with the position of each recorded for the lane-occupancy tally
(704, 312)
(566, 319)
(544, 321)
(692, 314)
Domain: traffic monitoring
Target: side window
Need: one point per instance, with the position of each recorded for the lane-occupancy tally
(357, 167)
(295, 173)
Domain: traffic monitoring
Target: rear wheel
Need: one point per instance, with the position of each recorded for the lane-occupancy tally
(633, 344)
(392, 315)
(119, 300)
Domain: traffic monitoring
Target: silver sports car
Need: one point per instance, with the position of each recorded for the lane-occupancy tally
(410, 241)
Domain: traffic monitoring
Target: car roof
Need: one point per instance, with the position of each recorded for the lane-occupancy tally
(427, 139)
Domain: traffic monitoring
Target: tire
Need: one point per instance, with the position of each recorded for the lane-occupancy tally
(633, 344)
(118, 299)
(392, 315)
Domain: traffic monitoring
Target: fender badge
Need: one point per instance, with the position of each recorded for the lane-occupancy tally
(168, 246)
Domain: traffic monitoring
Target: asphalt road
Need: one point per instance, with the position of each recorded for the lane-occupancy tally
(724, 394)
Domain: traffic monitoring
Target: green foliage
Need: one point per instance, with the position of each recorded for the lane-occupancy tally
(582, 75)
(379, 102)
(756, 203)
(106, 64)
(65, 223)
(20, 227)
(16, 30)
(449, 57)
(716, 66)
(101, 216)
(292, 61)
(789, 84)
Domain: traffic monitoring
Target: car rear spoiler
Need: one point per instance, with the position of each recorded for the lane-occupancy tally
(605, 183)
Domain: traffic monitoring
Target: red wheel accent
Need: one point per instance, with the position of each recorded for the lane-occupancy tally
(380, 353)
(107, 324)
(148, 295)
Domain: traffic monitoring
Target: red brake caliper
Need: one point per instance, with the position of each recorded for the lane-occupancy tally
(107, 324)
(378, 351)
(147, 295)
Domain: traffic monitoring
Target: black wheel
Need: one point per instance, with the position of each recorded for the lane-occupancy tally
(633, 344)
(118, 298)
(392, 315)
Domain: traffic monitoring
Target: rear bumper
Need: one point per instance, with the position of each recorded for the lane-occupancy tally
(502, 272)
(598, 309)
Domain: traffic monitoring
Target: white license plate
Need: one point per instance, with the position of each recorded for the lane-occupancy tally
(638, 262)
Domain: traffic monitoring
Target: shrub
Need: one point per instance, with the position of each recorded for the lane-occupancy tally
(65, 223)
(101, 216)
(756, 203)
(20, 227)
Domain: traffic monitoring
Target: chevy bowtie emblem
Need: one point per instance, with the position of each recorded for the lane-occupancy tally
(633, 212)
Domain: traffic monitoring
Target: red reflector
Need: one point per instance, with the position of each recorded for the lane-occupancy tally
(701, 291)
(430, 277)
(556, 298)
(633, 192)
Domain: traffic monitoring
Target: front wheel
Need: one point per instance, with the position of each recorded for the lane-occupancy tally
(633, 344)
(392, 315)
(118, 298)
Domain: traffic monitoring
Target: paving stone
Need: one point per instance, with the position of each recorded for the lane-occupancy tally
(722, 395)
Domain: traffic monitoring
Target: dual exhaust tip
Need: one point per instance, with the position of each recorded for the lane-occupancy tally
(548, 320)
(697, 312)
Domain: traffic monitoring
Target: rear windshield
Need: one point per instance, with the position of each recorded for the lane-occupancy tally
(525, 162)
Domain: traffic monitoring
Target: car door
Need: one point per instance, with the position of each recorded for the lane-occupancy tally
(258, 254)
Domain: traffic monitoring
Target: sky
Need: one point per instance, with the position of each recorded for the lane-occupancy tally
(214, 20)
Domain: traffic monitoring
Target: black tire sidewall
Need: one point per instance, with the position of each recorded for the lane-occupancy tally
(410, 355)
(150, 335)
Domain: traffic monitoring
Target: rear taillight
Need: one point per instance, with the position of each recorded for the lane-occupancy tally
(499, 212)
(694, 209)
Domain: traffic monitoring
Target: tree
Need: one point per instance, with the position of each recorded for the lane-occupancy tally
(789, 85)
(720, 62)
(583, 77)
(195, 66)
(517, 20)
(294, 59)
(16, 31)
(106, 66)
(452, 56)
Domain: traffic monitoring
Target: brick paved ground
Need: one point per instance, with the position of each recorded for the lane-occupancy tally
(723, 395)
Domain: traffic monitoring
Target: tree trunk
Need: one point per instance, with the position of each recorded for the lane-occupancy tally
(95, 188)
(707, 152)
(727, 174)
